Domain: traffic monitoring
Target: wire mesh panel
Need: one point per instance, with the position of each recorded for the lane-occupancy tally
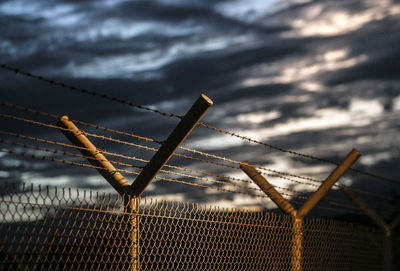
(62, 229)
(189, 237)
(336, 245)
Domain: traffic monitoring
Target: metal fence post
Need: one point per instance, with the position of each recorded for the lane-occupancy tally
(131, 210)
(297, 244)
(131, 193)
(386, 228)
(298, 215)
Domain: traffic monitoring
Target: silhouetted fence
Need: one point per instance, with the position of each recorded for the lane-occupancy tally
(63, 229)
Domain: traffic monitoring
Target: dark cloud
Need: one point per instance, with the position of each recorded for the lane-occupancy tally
(316, 77)
(384, 68)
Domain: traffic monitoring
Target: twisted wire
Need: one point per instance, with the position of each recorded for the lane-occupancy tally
(85, 133)
(85, 91)
(28, 146)
(154, 149)
(278, 173)
(33, 147)
(114, 99)
(54, 116)
(292, 194)
(114, 140)
(52, 159)
(14, 106)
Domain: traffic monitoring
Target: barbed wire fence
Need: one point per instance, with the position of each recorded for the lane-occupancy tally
(126, 235)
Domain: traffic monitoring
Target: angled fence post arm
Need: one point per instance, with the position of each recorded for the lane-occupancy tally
(267, 188)
(328, 183)
(387, 228)
(365, 208)
(178, 135)
(78, 138)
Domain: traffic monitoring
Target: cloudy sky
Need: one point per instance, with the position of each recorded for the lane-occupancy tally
(316, 77)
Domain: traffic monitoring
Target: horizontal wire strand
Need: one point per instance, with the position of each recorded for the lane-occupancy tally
(114, 99)
(14, 106)
(54, 116)
(293, 194)
(52, 159)
(28, 146)
(150, 148)
(180, 155)
(279, 173)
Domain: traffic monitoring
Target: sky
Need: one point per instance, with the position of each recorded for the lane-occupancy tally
(315, 77)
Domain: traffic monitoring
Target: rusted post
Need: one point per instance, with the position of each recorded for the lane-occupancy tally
(386, 228)
(120, 184)
(178, 135)
(298, 216)
(267, 188)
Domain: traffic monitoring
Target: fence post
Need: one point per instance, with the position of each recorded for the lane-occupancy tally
(386, 228)
(297, 244)
(131, 193)
(298, 215)
(131, 210)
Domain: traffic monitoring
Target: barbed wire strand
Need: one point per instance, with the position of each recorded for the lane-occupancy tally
(52, 159)
(152, 149)
(293, 194)
(114, 99)
(14, 106)
(66, 129)
(28, 146)
(54, 116)
(55, 151)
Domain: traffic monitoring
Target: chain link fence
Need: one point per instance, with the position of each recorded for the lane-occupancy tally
(64, 229)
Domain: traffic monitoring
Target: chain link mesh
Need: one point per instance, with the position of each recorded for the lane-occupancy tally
(64, 229)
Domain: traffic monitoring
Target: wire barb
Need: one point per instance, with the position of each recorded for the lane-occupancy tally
(275, 173)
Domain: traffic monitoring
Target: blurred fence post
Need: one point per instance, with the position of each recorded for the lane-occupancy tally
(386, 228)
(298, 215)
